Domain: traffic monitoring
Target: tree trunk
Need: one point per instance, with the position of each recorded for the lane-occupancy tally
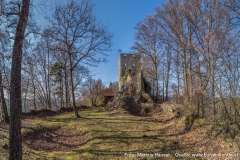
(66, 86)
(185, 81)
(156, 75)
(178, 79)
(201, 92)
(163, 85)
(25, 97)
(48, 80)
(168, 71)
(72, 88)
(45, 83)
(190, 65)
(3, 102)
(15, 137)
(213, 87)
(34, 97)
(157, 90)
(153, 88)
(61, 90)
(34, 92)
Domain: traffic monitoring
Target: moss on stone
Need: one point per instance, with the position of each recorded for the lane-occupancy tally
(126, 74)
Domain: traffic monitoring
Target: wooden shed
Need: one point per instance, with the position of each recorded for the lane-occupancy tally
(108, 94)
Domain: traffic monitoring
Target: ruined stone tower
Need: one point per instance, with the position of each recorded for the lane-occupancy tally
(132, 62)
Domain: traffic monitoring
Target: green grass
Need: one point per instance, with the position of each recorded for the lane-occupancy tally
(3, 140)
(110, 136)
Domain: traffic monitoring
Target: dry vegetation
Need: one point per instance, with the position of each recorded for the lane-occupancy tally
(109, 135)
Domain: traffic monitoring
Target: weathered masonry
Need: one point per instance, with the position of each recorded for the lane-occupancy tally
(129, 63)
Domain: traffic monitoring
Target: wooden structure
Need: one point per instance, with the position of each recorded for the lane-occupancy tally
(108, 95)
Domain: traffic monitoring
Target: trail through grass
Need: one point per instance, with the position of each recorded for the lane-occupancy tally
(109, 136)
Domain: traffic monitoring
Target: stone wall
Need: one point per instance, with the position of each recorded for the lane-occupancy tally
(132, 62)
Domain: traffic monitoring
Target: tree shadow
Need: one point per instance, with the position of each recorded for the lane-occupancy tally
(43, 113)
(54, 139)
(3, 137)
(4, 126)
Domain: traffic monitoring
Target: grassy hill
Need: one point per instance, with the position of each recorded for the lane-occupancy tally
(116, 135)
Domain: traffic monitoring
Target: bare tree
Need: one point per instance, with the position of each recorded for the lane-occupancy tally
(15, 137)
(197, 32)
(5, 117)
(149, 45)
(172, 22)
(3, 43)
(93, 90)
(83, 39)
(44, 55)
(169, 57)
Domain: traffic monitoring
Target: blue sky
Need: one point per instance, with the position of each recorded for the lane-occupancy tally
(121, 16)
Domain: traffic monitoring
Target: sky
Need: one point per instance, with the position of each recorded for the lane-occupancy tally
(121, 16)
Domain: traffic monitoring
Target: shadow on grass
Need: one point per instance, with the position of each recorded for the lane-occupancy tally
(4, 126)
(54, 139)
(171, 146)
(125, 120)
(119, 150)
(114, 153)
(123, 138)
(114, 138)
(104, 152)
(167, 148)
(3, 137)
(60, 119)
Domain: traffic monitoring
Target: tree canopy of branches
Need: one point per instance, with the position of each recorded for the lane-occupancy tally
(93, 91)
(149, 45)
(51, 67)
(79, 36)
(198, 51)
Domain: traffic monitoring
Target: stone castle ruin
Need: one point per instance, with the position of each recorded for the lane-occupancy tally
(129, 72)
(131, 95)
(133, 91)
